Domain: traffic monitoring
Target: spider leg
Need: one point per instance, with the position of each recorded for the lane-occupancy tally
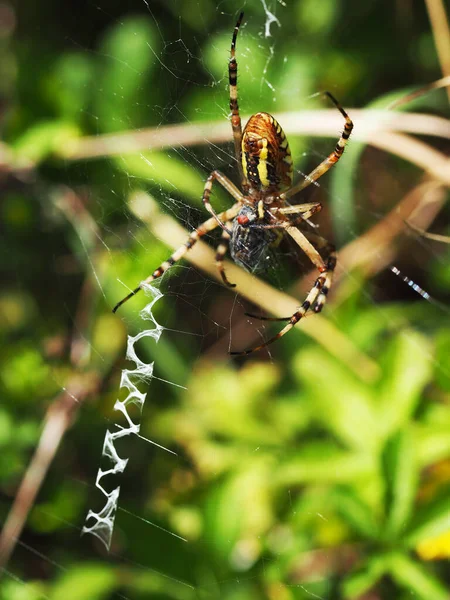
(317, 304)
(204, 228)
(306, 210)
(228, 185)
(314, 256)
(330, 160)
(329, 251)
(316, 297)
(234, 106)
(261, 318)
(220, 254)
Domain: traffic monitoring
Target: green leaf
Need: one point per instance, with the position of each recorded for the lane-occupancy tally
(317, 22)
(357, 584)
(43, 139)
(168, 172)
(430, 520)
(433, 441)
(415, 578)
(356, 513)
(129, 53)
(341, 402)
(342, 202)
(241, 504)
(22, 590)
(70, 85)
(325, 463)
(442, 354)
(408, 361)
(401, 475)
(87, 582)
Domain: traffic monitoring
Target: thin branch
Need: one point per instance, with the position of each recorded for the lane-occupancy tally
(416, 152)
(321, 123)
(57, 420)
(372, 251)
(435, 237)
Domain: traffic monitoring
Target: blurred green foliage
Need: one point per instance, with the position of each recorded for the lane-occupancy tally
(294, 477)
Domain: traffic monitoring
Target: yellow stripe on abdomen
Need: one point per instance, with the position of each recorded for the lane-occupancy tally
(262, 165)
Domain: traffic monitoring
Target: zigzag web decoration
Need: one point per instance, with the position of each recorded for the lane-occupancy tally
(102, 522)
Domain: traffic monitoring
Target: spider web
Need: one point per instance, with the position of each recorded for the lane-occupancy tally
(194, 313)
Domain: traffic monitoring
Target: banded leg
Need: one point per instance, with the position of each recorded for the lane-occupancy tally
(220, 255)
(328, 250)
(228, 185)
(304, 211)
(312, 299)
(234, 106)
(325, 267)
(316, 298)
(206, 227)
(330, 160)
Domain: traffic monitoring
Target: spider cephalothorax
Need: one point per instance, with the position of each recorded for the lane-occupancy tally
(262, 212)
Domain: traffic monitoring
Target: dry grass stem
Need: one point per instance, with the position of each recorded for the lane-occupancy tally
(57, 421)
(407, 98)
(435, 237)
(367, 251)
(416, 152)
(323, 123)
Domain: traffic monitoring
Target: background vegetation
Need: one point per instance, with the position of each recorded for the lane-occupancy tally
(320, 469)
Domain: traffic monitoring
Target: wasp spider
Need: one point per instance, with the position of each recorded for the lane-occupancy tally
(261, 207)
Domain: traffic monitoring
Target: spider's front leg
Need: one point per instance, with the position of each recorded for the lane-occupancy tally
(228, 185)
(204, 228)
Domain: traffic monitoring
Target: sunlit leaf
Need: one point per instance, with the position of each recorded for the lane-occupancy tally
(356, 513)
(129, 53)
(401, 473)
(86, 582)
(326, 463)
(430, 520)
(408, 364)
(416, 579)
(341, 402)
(43, 139)
(166, 172)
(361, 581)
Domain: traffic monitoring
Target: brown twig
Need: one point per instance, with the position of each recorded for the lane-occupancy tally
(416, 152)
(435, 237)
(57, 420)
(373, 250)
(407, 98)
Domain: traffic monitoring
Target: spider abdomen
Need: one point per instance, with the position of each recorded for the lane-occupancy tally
(266, 157)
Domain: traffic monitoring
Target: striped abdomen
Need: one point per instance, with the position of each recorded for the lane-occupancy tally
(266, 157)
